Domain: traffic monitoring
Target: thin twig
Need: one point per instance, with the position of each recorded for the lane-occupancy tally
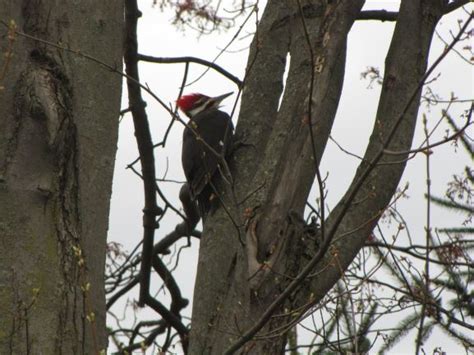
(426, 290)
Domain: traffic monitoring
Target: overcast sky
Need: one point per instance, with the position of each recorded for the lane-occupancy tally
(368, 44)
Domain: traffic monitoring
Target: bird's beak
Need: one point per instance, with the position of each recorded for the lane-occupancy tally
(218, 99)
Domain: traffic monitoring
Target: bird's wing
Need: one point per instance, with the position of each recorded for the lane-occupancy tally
(199, 162)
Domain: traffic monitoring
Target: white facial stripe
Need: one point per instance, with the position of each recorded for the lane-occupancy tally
(202, 105)
(196, 110)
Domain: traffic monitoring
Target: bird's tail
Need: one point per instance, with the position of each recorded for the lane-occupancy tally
(204, 202)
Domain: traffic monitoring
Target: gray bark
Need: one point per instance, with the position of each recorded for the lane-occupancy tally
(58, 134)
(234, 286)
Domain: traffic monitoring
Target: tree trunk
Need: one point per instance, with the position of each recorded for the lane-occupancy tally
(274, 172)
(58, 134)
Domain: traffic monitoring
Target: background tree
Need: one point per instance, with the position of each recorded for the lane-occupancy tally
(58, 134)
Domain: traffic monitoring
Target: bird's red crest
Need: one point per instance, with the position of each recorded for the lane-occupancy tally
(186, 102)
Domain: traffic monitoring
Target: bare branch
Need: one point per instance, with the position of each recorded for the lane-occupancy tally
(454, 5)
(145, 146)
(380, 15)
(167, 60)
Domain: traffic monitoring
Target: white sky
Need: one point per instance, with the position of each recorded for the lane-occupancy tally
(368, 43)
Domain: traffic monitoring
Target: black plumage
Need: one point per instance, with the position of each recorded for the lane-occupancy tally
(200, 164)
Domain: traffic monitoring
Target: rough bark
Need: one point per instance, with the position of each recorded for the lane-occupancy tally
(234, 286)
(216, 267)
(223, 274)
(58, 134)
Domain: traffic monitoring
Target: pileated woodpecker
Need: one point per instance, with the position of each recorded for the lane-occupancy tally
(208, 128)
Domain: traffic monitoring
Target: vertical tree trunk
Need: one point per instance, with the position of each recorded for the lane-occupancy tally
(230, 295)
(58, 134)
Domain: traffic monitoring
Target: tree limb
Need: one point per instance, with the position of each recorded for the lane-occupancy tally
(187, 59)
(380, 15)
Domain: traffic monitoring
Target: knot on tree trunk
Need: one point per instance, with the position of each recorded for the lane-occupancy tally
(297, 237)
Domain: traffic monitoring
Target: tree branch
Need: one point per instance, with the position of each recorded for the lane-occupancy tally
(145, 146)
(384, 15)
(187, 59)
(171, 319)
(380, 15)
(454, 5)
